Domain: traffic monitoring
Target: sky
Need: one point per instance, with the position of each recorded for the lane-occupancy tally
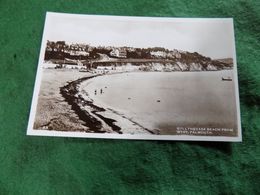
(210, 37)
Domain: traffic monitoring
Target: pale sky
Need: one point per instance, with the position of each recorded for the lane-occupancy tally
(210, 37)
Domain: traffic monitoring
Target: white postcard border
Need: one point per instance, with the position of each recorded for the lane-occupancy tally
(35, 132)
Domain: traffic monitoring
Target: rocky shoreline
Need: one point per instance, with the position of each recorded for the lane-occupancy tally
(78, 104)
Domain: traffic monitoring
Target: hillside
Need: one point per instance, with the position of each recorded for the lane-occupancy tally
(148, 59)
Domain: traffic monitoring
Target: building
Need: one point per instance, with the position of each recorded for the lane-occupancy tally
(118, 53)
(158, 54)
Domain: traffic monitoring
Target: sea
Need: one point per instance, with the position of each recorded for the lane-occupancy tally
(167, 100)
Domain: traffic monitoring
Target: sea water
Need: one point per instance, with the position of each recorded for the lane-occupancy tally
(166, 100)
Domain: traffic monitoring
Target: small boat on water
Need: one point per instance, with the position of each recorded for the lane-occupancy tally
(226, 79)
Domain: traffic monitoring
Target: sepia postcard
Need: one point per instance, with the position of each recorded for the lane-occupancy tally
(151, 78)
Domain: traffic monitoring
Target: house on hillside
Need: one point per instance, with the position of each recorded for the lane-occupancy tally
(158, 54)
(78, 53)
(174, 54)
(118, 53)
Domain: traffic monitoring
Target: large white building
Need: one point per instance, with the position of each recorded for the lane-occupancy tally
(161, 54)
(119, 53)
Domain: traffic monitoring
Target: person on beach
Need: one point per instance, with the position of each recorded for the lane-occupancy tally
(95, 92)
(101, 91)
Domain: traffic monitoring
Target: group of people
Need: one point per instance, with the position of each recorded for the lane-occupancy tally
(101, 91)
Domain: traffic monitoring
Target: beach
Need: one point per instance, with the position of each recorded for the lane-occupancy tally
(136, 102)
(53, 112)
(60, 109)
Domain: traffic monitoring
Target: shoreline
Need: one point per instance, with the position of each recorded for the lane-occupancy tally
(94, 116)
(148, 126)
(77, 102)
(53, 112)
(84, 109)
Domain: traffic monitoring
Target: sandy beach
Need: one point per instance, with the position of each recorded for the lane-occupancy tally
(64, 106)
(71, 100)
(53, 112)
